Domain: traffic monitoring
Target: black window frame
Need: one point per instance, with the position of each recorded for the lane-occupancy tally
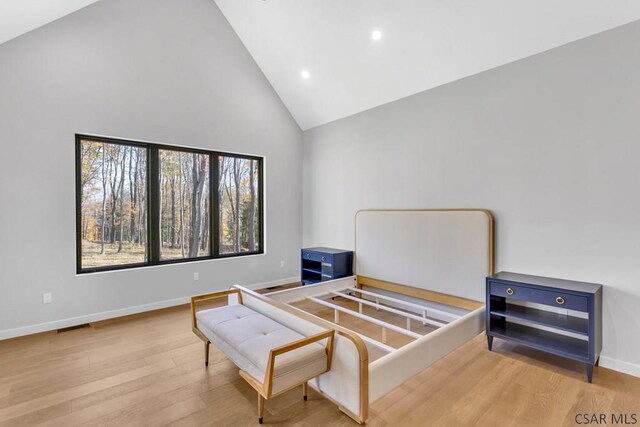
(153, 201)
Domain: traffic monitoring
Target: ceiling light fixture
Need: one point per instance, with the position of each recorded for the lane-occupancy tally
(376, 34)
(305, 74)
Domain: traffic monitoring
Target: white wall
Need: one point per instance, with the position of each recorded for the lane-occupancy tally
(164, 71)
(551, 144)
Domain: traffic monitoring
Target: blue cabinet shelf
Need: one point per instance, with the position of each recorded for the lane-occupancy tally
(515, 311)
(550, 342)
(576, 325)
(320, 264)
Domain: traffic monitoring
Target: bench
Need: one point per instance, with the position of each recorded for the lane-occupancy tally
(272, 358)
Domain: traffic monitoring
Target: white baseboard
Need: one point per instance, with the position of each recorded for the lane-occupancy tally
(620, 366)
(95, 317)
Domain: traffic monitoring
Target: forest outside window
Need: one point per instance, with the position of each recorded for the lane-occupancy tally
(141, 204)
(184, 207)
(113, 202)
(239, 204)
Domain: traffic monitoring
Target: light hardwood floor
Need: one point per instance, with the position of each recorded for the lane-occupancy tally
(149, 370)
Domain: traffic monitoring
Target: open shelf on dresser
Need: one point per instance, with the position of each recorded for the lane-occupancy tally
(563, 322)
(518, 309)
(550, 342)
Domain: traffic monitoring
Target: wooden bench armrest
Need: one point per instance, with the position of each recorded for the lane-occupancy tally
(206, 297)
(268, 377)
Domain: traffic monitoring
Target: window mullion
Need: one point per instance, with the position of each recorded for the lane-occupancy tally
(261, 204)
(214, 197)
(153, 212)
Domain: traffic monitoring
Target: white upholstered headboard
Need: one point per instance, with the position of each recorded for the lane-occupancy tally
(442, 250)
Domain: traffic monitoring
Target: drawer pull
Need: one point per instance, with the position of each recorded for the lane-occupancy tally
(323, 258)
(509, 291)
(560, 300)
(308, 255)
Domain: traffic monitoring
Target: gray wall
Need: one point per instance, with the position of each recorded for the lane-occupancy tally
(164, 71)
(551, 144)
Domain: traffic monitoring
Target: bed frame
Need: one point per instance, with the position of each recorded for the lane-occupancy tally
(424, 266)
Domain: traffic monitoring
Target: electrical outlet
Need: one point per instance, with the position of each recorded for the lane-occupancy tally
(282, 263)
(47, 298)
(196, 276)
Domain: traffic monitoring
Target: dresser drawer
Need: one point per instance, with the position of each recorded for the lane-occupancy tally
(552, 298)
(315, 256)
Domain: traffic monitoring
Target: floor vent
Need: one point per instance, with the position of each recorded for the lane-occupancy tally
(71, 328)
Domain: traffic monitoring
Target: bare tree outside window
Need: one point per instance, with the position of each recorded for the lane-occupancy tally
(184, 204)
(238, 204)
(113, 201)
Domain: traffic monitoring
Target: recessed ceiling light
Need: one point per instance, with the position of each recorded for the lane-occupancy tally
(305, 74)
(376, 34)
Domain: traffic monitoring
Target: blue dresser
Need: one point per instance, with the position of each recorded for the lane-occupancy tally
(320, 264)
(576, 334)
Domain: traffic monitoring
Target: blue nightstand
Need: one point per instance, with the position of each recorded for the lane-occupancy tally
(573, 336)
(320, 264)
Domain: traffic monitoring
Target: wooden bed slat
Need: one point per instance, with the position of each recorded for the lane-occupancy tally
(438, 297)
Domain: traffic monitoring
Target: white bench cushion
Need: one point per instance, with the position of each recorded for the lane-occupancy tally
(247, 337)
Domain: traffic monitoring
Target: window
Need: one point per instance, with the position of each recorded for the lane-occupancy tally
(113, 200)
(184, 207)
(141, 204)
(239, 204)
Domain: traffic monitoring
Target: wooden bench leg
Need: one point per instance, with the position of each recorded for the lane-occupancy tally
(260, 407)
(304, 390)
(206, 353)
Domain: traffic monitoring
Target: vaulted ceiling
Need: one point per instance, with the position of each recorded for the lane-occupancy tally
(21, 16)
(329, 59)
(423, 44)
